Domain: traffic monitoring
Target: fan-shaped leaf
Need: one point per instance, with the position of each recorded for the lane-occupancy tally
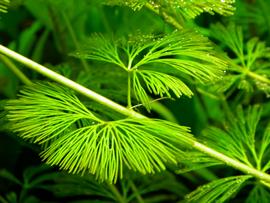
(184, 53)
(79, 142)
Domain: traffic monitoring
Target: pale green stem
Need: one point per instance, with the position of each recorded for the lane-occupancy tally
(129, 104)
(136, 192)
(69, 83)
(163, 111)
(74, 39)
(251, 74)
(118, 196)
(128, 112)
(258, 77)
(231, 162)
(15, 70)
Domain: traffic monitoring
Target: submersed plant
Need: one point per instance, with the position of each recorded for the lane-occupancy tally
(94, 119)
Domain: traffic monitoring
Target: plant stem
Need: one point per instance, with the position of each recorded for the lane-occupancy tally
(74, 38)
(258, 77)
(128, 112)
(15, 70)
(69, 83)
(2, 198)
(136, 192)
(231, 162)
(118, 196)
(129, 104)
(251, 74)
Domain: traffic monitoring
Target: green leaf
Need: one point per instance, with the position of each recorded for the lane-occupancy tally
(249, 66)
(77, 141)
(264, 149)
(100, 48)
(187, 8)
(9, 176)
(4, 5)
(194, 161)
(184, 54)
(158, 84)
(242, 138)
(165, 184)
(67, 185)
(191, 8)
(134, 4)
(218, 190)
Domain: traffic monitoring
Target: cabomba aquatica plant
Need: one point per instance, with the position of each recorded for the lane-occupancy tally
(111, 88)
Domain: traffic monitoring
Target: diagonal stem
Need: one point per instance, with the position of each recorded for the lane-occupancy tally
(69, 83)
(74, 38)
(15, 70)
(128, 112)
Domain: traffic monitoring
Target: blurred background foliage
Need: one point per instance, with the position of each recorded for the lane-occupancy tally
(47, 31)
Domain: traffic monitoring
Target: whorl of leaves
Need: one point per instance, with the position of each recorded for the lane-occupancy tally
(77, 141)
(158, 63)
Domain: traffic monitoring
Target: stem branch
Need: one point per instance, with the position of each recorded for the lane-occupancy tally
(74, 38)
(136, 192)
(118, 196)
(69, 83)
(129, 104)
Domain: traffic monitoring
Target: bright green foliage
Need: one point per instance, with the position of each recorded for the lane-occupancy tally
(239, 138)
(99, 145)
(4, 5)
(134, 4)
(218, 190)
(187, 8)
(79, 142)
(161, 58)
(157, 83)
(249, 67)
(192, 8)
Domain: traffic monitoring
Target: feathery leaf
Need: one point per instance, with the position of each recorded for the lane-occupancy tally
(218, 190)
(259, 194)
(77, 141)
(249, 67)
(187, 8)
(157, 83)
(186, 53)
(240, 138)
